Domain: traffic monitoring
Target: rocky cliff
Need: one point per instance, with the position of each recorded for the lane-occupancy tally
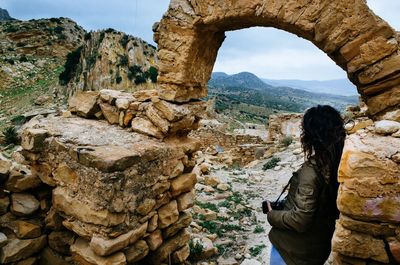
(4, 16)
(113, 60)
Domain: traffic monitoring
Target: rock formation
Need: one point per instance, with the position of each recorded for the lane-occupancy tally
(4, 16)
(286, 125)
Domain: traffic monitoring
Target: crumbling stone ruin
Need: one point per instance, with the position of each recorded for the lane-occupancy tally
(94, 193)
(281, 126)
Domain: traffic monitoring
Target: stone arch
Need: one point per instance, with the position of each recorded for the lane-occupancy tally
(361, 43)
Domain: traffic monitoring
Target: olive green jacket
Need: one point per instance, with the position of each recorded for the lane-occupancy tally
(302, 232)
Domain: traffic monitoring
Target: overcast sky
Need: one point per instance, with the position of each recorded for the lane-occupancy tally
(268, 53)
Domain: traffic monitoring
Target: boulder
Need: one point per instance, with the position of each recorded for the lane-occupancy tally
(146, 127)
(23, 204)
(185, 201)
(84, 104)
(22, 178)
(17, 249)
(83, 254)
(208, 249)
(111, 113)
(153, 223)
(25, 229)
(145, 95)
(212, 181)
(146, 206)
(64, 174)
(155, 117)
(43, 171)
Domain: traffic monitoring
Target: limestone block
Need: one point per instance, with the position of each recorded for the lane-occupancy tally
(185, 201)
(24, 229)
(105, 247)
(5, 166)
(212, 181)
(153, 115)
(184, 125)
(29, 261)
(154, 240)
(121, 118)
(4, 203)
(110, 96)
(64, 174)
(153, 223)
(23, 204)
(17, 249)
(61, 241)
(123, 103)
(184, 221)
(111, 113)
(53, 220)
(177, 170)
(358, 245)
(172, 112)
(84, 104)
(49, 257)
(83, 254)
(22, 178)
(169, 246)
(129, 115)
(382, 101)
(3, 240)
(181, 255)
(374, 229)
(380, 70)
(168, 214)
(74, 207)
(136, 252)
(183, 183)
(161, 187)
(145, 95)
(387, 127)
(33, 139)
(43, 171)
(146, 127)
(146, 206)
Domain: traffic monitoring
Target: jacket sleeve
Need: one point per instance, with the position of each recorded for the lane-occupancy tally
(300, 217)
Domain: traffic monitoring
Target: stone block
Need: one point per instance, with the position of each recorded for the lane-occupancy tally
(183, 183)
(387, 127)
(65, 175)
(184, 221)
(3, 240)
(169, 246)
(168, 214)
(83, 254)
(181, 255)
(136, 252)
(358, 245)
(49, 257)
(154, 240)
(145, 95)
(43, 171)
(153, 223)
(25, 230)
(22, 178)
(375, 229)
(33, 139)
(154, 116)
(4, 203)
(61, 241)
(23, 204)
(5, 166)
(146, 127)
(53, 220)
(111, 113)
(172, 112)
(84, 104)
(18, 249)
(146, 206)
(105, 247)
(185, 201)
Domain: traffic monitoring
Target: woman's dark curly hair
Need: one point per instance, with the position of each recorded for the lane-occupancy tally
(322, 139)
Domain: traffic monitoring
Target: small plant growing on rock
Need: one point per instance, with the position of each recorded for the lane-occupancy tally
(256, 250)
(259, 229)
(207, 205)
(10, 136)
(196, 248)
(124, 60)
(273, 162)
(288, 140)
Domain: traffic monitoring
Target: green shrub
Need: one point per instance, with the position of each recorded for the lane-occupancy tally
(10, 135)
(110, 30)
(207, 205)
(273, 162)
(288, 140)
(256, 250)
(124, 40)
(11, 29)
(259, 229)
(152, 73)
(123, 60)
(55, 20)
(195, 249)
(118, 79)
(139, 79)
(58, 29)
(11, 61)
(88, 36)
(23, 59)
(70, 66)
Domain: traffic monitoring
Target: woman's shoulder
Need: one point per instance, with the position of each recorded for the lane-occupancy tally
(308, 173)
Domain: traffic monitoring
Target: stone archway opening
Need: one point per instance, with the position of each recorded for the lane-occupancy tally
(362, 44)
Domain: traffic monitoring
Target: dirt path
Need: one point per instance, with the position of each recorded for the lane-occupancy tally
(240, 226)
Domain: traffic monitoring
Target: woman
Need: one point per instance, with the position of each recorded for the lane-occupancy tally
(301, 233)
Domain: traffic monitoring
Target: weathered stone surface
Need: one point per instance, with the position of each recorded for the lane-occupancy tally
(358, 245)
(183, 183)
(63, 202)
(23, 204)
(53, 220)
(146, 127)
(129, 115)
(3, 240)
(380, 70)
(181, 254)
(17, 249)
(146, 206)
(111, 113)
(145, 95)
(4, 203)
(161, 187)
(394, 246)
(60, 241)
(154, 116)
(28, 261)
(65, 175)
(33, 139)
(153, 223)
(43, 171)
(387, 127)
(154, 240)
(185, 201)
(22, 178)
(49, 257)
(84, 104)
(83, 254)
(212, 181)
(171, 111)
(184, 221)
(168, 214)
(105, 247)
(169, 246)
(5, 166)
(25, 230)
(374, 229)
(136, 252)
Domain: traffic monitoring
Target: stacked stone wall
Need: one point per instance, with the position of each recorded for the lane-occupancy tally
(281, 126)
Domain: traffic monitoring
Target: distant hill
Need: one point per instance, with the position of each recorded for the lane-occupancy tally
(336, 86)
(4, 16)
(247, 98)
